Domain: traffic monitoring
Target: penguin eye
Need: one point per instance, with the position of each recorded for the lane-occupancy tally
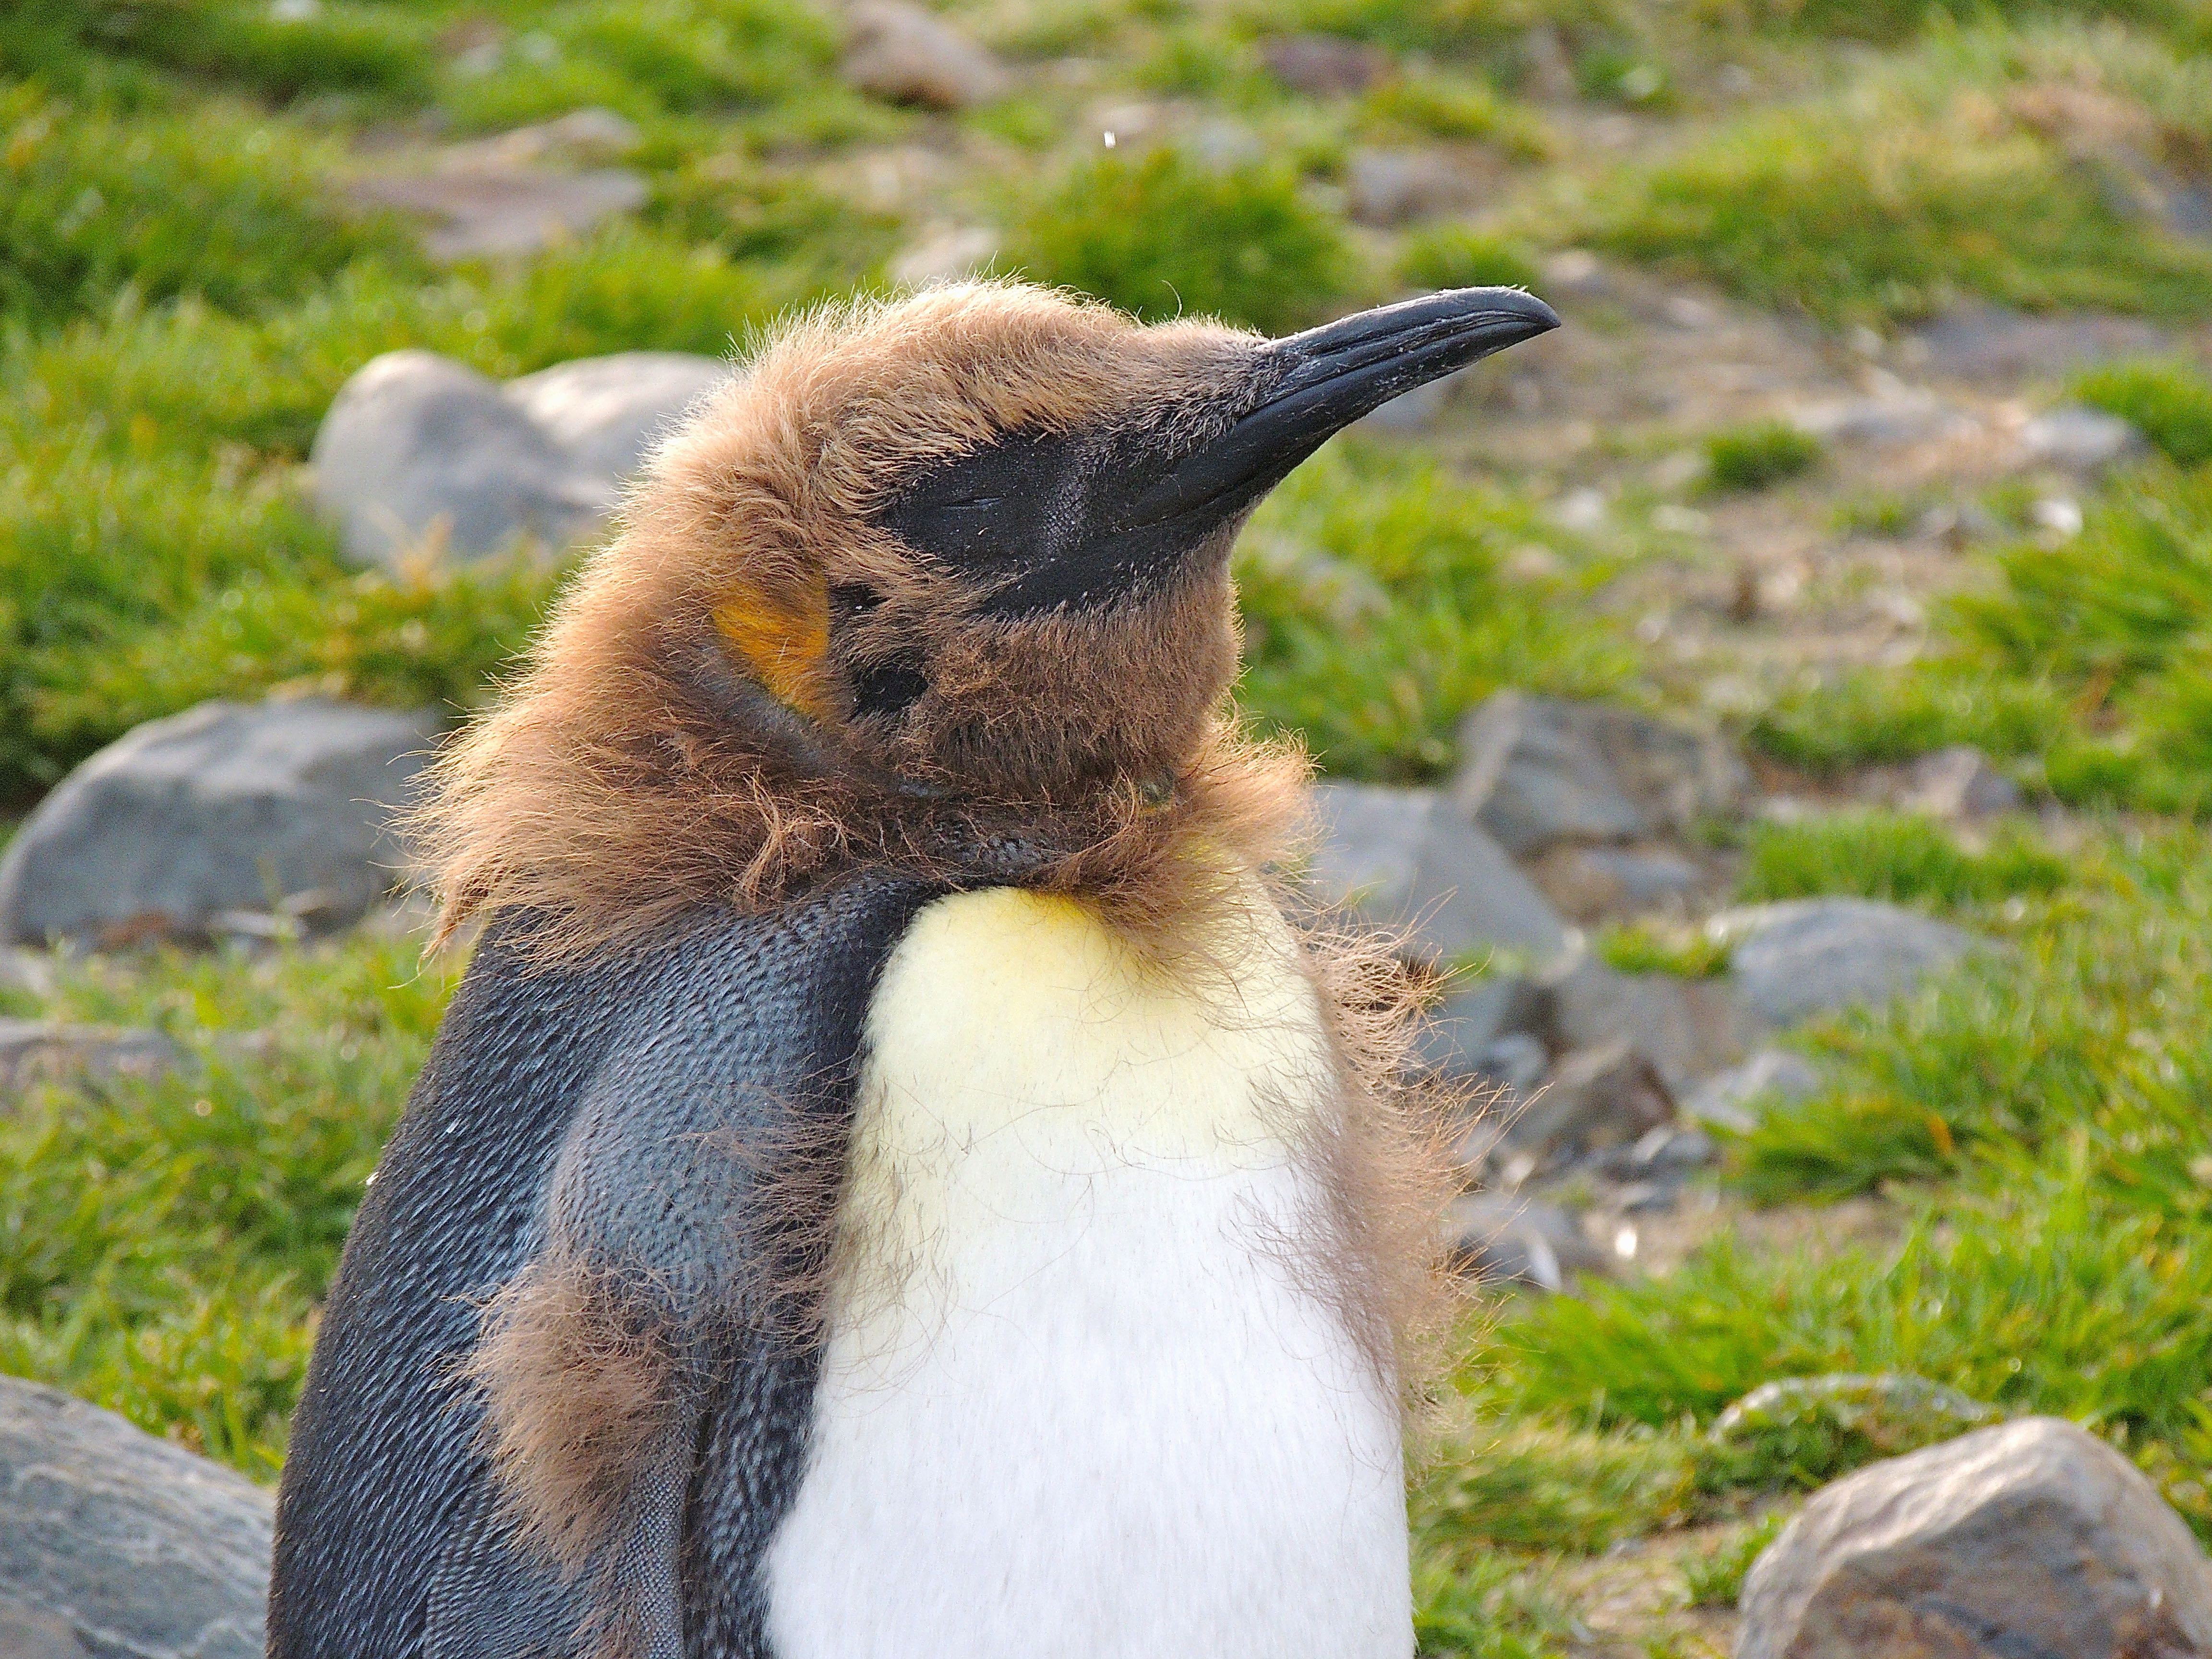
(888, 688)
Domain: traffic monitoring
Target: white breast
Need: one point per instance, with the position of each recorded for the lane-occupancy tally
(1077, 1397)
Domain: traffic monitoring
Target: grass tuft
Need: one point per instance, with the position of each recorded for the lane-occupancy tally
(1759, 455)
(2169, 402)
(1161, 236)
(1905, 857)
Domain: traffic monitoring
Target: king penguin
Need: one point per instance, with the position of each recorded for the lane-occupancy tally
(893, 1182)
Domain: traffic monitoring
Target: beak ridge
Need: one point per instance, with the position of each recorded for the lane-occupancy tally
(1334, 375)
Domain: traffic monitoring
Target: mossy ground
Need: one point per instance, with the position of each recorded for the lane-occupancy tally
(1780, 195)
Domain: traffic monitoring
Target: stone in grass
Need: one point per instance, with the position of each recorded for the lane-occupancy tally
(1959, 782)
(2079, 440)
(607, 413)
(1685, 1027)
(44, 1050)
(120, 1543)
(224, 808)
(1539, 771)
(421, 453)
(1734, 1098)
(1503, 1239)
(1402, 858)
(2031, 1539)
(1805, 957)
(1595, 1099)
(905, 55)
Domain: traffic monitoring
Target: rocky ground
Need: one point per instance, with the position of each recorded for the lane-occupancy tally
(1867, 1068)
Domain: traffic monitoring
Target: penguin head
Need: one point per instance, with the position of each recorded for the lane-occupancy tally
(941, 582)
(977, 541)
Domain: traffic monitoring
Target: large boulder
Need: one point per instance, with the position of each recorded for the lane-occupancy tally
(1539, 771)
(1402, 858)
(225, 807)
(1805, 957)
(421, 452)
(113, 1544)
(2033, 1540)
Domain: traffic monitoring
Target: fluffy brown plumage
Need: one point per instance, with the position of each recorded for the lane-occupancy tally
(684, 735)
(687, 735)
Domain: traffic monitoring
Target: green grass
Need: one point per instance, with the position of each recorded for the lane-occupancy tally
(154, 547)
(1714, 1579)
(1644, 947)
(1161, 236)
(2086, 658)
(1377, 611)
(163, 1245)
(2088, 1019)
(2169, 402)
(1906, 857)
(219, 203)
(1759, 455)
(1452, 256)
(1871, 209)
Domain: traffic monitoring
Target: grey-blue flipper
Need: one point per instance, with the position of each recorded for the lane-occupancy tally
(586, 1074)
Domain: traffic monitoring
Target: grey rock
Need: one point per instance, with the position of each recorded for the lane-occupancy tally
(39, 1050)
(496, 212)
(1222, 145)
(122, 1544)
(215, 810)
(1402, 858)
(2079, 440)
(1500, 1237)
(1805, 957)
(943, 253)
(1990, 342)
(1532, 777)
(1733, 1098)
(1666, 1153)
(1323, 65)
(1909, 416)
(1685, 1027)
(420, 453)
(29, 1633)
(607, 413)
(1641, 877)
(1595, 1099)
(2031, 1539)
(1392, 186)
(1472, 1018)
(1960, 782)
(581, 134)
(905, 55)
(1537, 771)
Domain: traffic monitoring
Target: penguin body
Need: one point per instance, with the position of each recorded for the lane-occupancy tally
(892, 1181)
(1072, 1327)
(614, 1077)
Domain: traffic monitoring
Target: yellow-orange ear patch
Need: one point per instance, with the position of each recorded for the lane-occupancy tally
(786, 643)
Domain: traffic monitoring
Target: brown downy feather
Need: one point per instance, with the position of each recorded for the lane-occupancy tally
(685, 737)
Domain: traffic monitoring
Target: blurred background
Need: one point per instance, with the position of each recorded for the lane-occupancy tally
(1851, 546)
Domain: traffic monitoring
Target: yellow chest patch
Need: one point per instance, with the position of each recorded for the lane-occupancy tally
(1022, 1059)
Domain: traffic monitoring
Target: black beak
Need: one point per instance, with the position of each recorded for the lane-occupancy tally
(1332, 376)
